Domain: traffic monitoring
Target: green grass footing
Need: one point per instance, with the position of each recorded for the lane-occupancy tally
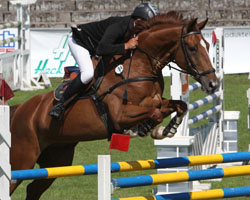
(85, 187)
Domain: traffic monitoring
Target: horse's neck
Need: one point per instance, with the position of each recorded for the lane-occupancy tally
(143, 66)
(161, 44)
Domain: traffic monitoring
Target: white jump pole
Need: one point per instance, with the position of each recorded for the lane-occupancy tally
(23, 16)
(5, 143)
(104, 177)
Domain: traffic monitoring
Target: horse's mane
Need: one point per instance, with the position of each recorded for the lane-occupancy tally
(172, 17)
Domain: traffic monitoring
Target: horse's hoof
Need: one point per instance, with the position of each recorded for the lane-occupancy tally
(144, 129)
(171, 129)
(170, 132)
(141, 130)
(157, 133)
(163, 132)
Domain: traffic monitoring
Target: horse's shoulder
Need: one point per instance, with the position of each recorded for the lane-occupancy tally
(38, 99)
(43, 96)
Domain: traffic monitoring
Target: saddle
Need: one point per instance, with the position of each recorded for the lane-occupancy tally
(70, 72)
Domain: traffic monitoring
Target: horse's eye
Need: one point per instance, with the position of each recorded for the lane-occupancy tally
(192, 48)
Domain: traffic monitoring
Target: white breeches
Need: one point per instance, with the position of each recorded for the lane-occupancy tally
(83, 59)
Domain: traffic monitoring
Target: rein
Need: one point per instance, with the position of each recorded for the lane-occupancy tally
(159, 61)
(126, 81)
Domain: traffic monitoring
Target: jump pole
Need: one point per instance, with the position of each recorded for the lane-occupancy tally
(207, 194)
(138, 165)
(177, 177)
(104, 176)
(5, 144)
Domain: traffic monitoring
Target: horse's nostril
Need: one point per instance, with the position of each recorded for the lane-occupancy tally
(212, 84)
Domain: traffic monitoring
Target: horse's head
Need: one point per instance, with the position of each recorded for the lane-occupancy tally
(169, 37)
(193, 56)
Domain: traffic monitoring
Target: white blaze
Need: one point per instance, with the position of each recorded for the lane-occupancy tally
(204, 45)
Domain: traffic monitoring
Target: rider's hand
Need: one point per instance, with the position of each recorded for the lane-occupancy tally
(132, 43)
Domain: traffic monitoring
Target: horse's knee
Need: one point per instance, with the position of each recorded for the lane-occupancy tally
(181, 108)
(156, 115)
(184, 106)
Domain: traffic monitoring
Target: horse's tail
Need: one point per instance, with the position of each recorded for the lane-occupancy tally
(12, 111)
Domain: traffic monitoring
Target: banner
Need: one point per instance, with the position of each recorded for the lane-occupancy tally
(236, 55)
(5, 34)
(50, 51)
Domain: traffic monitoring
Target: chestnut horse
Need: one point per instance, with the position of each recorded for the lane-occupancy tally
(36, 137)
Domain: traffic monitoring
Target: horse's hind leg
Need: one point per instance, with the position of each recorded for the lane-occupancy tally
(23, 154)
(53, 156)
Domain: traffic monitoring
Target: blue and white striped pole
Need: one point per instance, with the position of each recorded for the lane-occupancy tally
(194, 86)
(203, 101)
(204, 114)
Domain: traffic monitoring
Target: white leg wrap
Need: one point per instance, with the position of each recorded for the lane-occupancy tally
(157, 133)
(169, 131)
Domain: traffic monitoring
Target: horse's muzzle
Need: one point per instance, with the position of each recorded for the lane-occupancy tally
(209, 85)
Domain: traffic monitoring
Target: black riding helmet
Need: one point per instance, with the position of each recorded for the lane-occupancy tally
(145, 11)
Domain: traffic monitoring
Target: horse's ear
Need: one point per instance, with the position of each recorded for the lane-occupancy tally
(202, 24)
(191, 24)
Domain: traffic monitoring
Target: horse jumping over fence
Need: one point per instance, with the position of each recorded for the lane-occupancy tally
(36, 137)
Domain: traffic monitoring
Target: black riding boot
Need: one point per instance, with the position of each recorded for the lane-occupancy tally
(75, 86)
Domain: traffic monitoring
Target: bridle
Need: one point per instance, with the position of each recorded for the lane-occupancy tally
(192, 69)
(191, 66)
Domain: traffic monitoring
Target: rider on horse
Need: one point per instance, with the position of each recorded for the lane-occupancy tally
(99, 38)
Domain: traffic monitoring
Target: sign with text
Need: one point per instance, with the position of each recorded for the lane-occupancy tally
(50, 52)
(6, 34)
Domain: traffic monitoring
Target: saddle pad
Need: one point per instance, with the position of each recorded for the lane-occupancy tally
(58, 92)
(70, 69)
(70, 72)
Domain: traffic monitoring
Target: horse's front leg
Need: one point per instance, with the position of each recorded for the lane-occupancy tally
(127, 116)
(167, 108)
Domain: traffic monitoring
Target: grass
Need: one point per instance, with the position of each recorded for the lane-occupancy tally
(85, 187)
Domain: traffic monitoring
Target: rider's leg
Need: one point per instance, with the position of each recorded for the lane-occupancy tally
(83, 59)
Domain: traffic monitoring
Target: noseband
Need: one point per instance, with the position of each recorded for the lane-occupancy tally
(192, 70)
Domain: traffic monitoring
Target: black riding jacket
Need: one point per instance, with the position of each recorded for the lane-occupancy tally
(106, 36)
